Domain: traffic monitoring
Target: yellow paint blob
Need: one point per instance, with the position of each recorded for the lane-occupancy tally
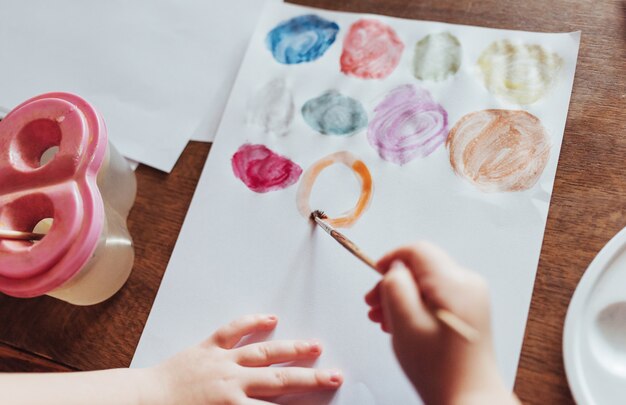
(518, 72)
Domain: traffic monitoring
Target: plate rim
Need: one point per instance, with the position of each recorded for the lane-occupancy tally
(603, 258)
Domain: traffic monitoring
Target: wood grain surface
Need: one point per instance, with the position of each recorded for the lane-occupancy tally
(106, 335)
(588, 206)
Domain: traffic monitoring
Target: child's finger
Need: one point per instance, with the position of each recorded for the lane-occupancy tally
(402, 304)
(275, 352)
(252, 401)
(376, 314)
(384, 327)
(422, 258)
(273, 381)
(372, 298)
(229, 335)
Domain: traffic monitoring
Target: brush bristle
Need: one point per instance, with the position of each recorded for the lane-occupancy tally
(318, 214)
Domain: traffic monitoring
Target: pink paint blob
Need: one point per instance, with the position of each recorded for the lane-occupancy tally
(407, 124)
(371, 50)
(263, 170)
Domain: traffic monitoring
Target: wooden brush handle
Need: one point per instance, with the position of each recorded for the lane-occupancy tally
(352, 248)
(19, 235)
(452, 321)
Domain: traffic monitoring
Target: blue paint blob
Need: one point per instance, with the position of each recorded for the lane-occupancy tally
(301, 39)
(332, 113)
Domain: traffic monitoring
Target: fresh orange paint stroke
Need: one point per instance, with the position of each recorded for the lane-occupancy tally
(362, 174)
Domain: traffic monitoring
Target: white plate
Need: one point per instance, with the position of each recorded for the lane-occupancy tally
(594, 338)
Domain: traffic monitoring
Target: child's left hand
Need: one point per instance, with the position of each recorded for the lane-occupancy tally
(215, 372)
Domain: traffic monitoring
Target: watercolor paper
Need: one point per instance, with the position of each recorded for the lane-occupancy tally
(158, 71)
(447, 160)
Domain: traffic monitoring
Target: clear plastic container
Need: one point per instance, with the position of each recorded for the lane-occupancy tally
(83, 191)
(111, 264)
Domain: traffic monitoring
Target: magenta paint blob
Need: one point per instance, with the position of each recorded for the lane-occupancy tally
(407, 124)
(263, 170)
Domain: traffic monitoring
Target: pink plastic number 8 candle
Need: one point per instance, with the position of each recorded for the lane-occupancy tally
(80, 196)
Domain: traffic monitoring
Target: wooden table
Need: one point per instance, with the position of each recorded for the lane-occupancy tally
(588, 206)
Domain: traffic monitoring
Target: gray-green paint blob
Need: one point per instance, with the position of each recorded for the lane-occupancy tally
(332, 113)
(437, 56)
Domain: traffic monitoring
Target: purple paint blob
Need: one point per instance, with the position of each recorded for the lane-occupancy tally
(263, 170)
(407, 124)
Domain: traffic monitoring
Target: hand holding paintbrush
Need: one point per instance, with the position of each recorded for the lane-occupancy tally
(446, 317)
(442, 368)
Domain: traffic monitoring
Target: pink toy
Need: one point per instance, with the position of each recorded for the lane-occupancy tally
(86, 190)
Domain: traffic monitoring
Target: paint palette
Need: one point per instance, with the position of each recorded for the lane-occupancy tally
(594, 338)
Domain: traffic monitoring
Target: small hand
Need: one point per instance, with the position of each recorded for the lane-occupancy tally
(443, 367)
(216, 372)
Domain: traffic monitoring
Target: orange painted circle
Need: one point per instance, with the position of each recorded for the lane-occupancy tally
(362, 174)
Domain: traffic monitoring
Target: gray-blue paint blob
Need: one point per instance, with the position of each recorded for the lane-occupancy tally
(332, 113)
(301, 39)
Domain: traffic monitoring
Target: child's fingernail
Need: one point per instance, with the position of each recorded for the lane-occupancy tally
(311, 347)
(315, 347)
(335, 377)
(272, 318)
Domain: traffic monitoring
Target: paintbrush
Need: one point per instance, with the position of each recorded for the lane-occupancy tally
(446, 317)
(19, 235)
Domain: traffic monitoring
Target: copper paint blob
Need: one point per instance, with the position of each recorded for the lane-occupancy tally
(499, 150)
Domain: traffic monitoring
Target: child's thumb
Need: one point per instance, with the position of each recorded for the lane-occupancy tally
(401, 300)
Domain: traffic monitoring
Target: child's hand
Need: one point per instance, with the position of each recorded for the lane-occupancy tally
(444, 368)
(215, 372)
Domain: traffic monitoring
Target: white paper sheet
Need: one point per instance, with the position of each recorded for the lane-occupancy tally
(241, 252)
(229, 51)
(158, 71)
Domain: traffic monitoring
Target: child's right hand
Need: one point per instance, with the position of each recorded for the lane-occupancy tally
(443, 367)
